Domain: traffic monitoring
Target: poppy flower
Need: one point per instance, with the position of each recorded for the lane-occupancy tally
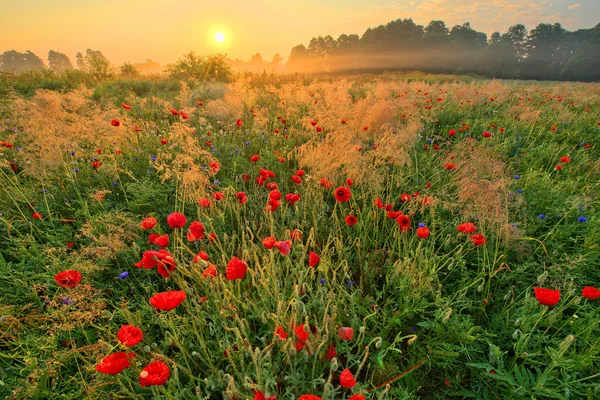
(236, 269)
(478, 239)
(115, 123)
(200, 103)
(183, 115)
(115, 363)
(241, 197)
(275, 194)
(204, 202)
(167, 301)
(467, 227)
(68, 278)
(357, 397)
(292, 198)
(96, 164)
(137, 128)
(162, 241)
(313, 123)
(284, 247)
(201, 256)
(211, 271)
(218, 196)
(152, 237)
(319, 129)
(403, 222)
(239, 122)
(452, 132)
(269, 242)
(423, 232)
(164, 141)
(547, 297)
(176, 220)
(6, 144)
(486, 134)
(590, 292)
(130, 335)
(325, 183)
(258, 395)
(558, 167)
(405, 197)
(300, 172)
(281, 160)
(301, 333)
(255, 158)
(342, 194)
(347, 379)
(351, 220)
(196, 231)
(345, 333)
(449, 166)
(565, 160)
(297, 180)
(37, 215)
(281, 333)
(125, 106)
(365, 128)
(313, 259)
(214, 166)
(330, 353)
(299, 345)
(155, 374)
(309, 397)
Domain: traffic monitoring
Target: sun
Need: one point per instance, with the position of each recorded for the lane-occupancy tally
(220, 37)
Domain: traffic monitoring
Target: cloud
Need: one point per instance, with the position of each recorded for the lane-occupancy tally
(574, 6)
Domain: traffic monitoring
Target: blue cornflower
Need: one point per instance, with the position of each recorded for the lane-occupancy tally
(541, 217)
(349, 283)
(517, 176)
(123, 275)
(115, 183)
(421, 225)
(216, 182)
(153, 158)
(322, 281)
(72, 153)
(519, 191)
(76, 170)
(582, 219)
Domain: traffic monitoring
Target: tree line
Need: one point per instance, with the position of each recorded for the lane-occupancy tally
(547, 52)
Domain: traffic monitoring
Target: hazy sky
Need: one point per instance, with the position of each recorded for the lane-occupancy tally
(133, 30)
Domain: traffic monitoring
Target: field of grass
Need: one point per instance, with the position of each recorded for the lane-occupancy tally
(346, 237)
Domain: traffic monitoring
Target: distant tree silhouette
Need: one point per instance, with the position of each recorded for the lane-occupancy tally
(128, 69)
(13, 61)
(201, 68)
(546, 52)
(81, 65)
(59, 62)
(97, 64)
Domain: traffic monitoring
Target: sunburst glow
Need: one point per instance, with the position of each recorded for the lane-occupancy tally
(220, 37)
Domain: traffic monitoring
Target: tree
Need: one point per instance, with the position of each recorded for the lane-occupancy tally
(13, 61)
(59, 62)
(544, 55)
(128, 69)
(97, 64)
(81, 65)
(197, 67)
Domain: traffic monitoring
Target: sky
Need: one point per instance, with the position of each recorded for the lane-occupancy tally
(162, 30)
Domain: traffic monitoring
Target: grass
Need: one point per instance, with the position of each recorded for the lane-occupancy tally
(434, 317)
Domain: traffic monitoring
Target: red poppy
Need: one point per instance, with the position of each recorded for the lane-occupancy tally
(309, 397)
(565, 160)
(281, 333)
(37, 215)
(211, 271)
(196, 231)
(115, 363)
(292, 198)
(176, 220)
(313, 259)
(405, 197)
(155, 374)
(115, 122)
(423, 233)
(269, 242)
(152, 237)
(319, 129)
(300, 172)
(241, 197)
(284, 247)
(452, 132)
(486, 134)
(590, 292)
(297, 180)
(478, 239)
(200, 103)
(342, 194)
(218, 196)
(403, 222)
(547, 297)
(467, 227)
(255, 158)
(214, 166)
(164, 141)
(125, 106)
(162, 241)
(330, 353)
(239, 122)
(345, 333)
(183, 115)
(68, 278)
(558, 167)
(302, 333)
(167, 301)
(365, 128)
(357, 397)
(204, 202)
(130, 335)
(201, 256)
(96, 164)
(6, 144)
(281, 160)
(299, 345)
(313, 123)
(347, 379)
(449, 166)
(351, 220)
(236, 269)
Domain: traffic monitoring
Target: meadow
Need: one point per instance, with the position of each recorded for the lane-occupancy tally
(392, 236)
